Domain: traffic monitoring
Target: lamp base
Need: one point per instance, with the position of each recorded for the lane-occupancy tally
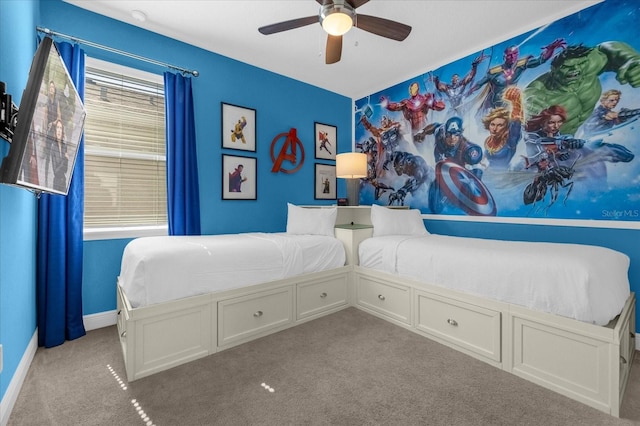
(353, 192)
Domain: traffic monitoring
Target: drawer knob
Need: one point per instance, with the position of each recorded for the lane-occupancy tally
(623, 360)
(124, 334)
(381, 297)
(258, 314)
(119, 311)
(323, 295)
(452, 322)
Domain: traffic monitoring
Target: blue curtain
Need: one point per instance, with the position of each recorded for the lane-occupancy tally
(59, 249)
(183, 197)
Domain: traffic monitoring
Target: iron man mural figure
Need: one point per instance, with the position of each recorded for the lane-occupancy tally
(415, 108)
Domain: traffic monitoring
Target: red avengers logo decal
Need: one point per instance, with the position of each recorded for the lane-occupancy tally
(288, 152)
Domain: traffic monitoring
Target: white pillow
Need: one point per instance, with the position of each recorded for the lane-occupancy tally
(311, 221)
(396, 222)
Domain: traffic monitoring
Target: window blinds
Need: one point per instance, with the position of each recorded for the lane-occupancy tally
(125, 177)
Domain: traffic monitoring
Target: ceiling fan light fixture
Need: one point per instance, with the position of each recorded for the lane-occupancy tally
(337, 19)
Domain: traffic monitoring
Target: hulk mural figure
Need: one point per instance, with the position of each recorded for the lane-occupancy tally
(573, 80)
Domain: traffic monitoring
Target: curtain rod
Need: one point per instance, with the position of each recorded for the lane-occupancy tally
(195, 73)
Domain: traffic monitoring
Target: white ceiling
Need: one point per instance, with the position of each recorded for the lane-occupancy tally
(443, 31)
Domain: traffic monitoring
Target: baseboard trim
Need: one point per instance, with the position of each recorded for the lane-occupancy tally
(99, 320)
(11, 395)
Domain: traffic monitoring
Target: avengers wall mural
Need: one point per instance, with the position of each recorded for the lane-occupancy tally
(543, 125)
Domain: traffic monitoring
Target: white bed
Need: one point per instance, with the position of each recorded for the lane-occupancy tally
(583, 282)
(161, 269)
(184, 297)
(575, 357)
(559, 315)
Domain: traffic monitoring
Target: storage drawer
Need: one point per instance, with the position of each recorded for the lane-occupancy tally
(573, 364)
(242, 318)
(317, 297)
(468, 326)
(390, 300)
(171, 338)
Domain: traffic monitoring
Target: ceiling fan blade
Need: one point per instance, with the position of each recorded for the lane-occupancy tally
(334, 49)
(382, 27)
(357, 3)
(288, 25)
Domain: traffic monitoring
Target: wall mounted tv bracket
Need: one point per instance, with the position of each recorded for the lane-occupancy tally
(8, 114)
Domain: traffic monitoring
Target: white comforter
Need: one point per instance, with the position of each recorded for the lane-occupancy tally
(158, 269)
(586, 283)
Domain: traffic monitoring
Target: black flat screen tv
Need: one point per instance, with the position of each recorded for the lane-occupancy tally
(49, 127)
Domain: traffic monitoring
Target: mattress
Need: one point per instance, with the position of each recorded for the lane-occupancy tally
(159, 269)
(582, 282)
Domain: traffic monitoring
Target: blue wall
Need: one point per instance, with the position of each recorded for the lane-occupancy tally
(280, 103)
(17, 206)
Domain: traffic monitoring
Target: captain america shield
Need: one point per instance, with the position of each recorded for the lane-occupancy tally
(464, 189)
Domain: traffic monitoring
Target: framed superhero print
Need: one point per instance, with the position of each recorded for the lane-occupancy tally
(238, 127)
(326, 141)
(325, 182)
(239, 178)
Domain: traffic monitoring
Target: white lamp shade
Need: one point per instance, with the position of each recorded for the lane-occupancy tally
(351, 165)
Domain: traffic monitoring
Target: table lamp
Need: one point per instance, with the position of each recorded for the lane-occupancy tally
(352, 166)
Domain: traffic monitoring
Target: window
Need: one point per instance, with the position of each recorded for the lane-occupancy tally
(125, 163)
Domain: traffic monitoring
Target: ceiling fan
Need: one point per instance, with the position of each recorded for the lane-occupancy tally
(337, 17)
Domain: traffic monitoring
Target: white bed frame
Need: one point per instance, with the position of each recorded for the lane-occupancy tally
(157, 337)
(584, 362)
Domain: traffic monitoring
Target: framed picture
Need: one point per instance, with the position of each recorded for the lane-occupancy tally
(238, 127)
(326, 141)
(325, 182)
(239, 177)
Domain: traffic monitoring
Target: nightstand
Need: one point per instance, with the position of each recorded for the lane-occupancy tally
(351, 236)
